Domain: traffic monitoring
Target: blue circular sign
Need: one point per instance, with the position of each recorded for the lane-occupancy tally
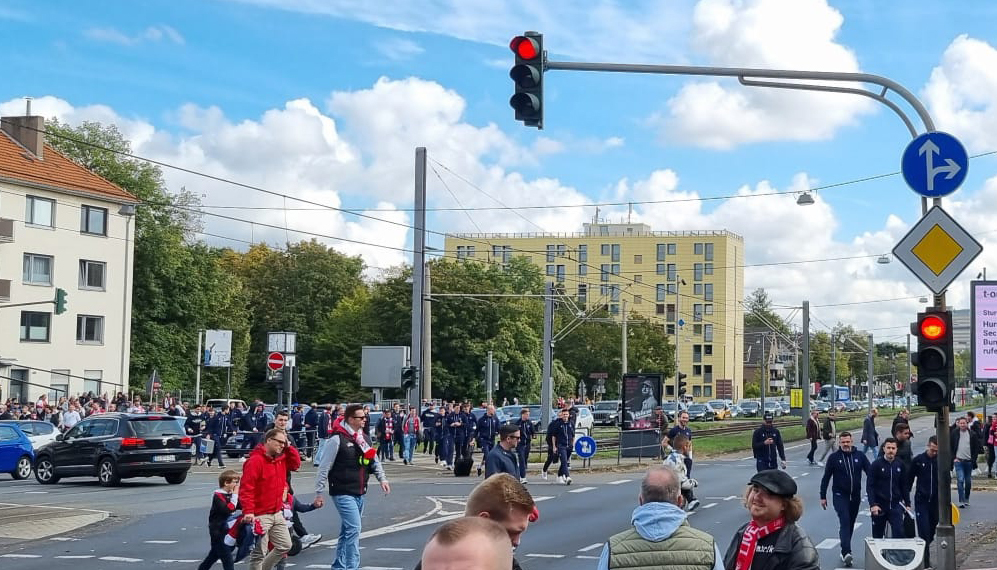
(585, 447)
(934, 164)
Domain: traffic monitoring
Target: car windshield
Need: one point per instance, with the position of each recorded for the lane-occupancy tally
(716, 404)
(697, 408)
(606, 406)
(154, 426)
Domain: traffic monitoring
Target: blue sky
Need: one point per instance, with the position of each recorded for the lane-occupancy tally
(326, 100)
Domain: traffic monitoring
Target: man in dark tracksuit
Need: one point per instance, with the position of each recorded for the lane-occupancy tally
(297, 424)
(254, 426)
(451, 425)
(870, 437)
(399, 435)
(767, 447)
(526, 432)
(925, 472)
(461, 440)
(428, 419)
(488, 427)
(470, 430)
(194, 425)
(214, 430)
(887, 490)
(845, 466)
(311, 423)
(561, 435)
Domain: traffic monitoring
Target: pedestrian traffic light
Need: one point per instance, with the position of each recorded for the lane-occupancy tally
(528, 77)
(410, 374)
(935, 359)
(60, 301)
(682, 383)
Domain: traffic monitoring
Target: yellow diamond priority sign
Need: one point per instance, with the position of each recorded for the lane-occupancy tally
(937, 250)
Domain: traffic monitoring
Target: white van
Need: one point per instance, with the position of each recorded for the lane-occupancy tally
(219, 403)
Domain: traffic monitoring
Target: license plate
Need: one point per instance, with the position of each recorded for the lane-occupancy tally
(164, 458)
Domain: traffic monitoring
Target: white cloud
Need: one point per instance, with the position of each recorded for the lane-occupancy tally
(398, 49)
(773, 34)
(153, 34)
(960, 93)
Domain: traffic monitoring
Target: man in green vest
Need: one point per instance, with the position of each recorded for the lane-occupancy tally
(661, 536)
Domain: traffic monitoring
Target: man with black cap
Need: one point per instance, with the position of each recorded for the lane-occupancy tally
(766, 444)
(845, 467)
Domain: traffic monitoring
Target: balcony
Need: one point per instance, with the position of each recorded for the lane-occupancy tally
(6, 230)
(4, 290)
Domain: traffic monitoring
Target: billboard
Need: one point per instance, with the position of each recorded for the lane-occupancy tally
(217, 348)
(381, 366)
(983, 314)
(641, 394)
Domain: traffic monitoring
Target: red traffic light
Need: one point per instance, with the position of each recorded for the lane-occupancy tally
(933, 327)
(525, 47)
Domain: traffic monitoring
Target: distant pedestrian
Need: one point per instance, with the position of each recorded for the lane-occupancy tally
(844, 469)
(675, 459)
(661, 537)
(223, 505)
(682, 427)
(903, 417)
(905, 450)
(468, 542)
(829, 432)
(428, 418)
(488, 426)
(966, 448)
(526, 432)
(410, 434)
(264, 477)
(773, 539)
(311, 424)
(503, 458)
(925, 472)
(767, 446)
(813, 434)
(870, 437)
(560, 437)
(887, 491)
(990, 437)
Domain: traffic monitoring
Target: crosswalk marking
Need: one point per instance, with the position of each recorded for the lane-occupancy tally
(620, 482)
(804, 474)
(75, 556)
(192, 561)
(828, 544)
(119, 559)
(545, 555)
(392, 549)
(160, 542)
(730, 498)
(20, 555)
(584, 557)
(709, 506)
(590, 547)
(582, 490)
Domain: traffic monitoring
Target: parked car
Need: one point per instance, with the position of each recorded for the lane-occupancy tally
(116, 446)
(735, 411)
(721, 409)
(852, 406)
(773, 407)
(503, 418)
(38, 432)
(585, 419)
(670, 409)
(701, 413)
(219, 403)
(607, 412)
(750, 408)
(822, 406)
(786, 409)
(16, 453)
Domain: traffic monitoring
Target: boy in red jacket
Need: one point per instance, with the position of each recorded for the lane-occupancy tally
(262, 496)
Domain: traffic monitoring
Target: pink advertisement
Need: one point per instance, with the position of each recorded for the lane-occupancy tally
(985, 331)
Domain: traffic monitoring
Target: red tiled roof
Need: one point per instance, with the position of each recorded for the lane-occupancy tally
(55, 171)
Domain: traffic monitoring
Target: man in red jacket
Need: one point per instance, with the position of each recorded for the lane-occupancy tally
(262, 496)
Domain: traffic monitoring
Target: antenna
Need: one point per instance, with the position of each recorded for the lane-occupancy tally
(630, 211)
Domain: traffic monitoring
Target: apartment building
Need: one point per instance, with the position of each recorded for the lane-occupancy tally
(61, 227)
(689, 282)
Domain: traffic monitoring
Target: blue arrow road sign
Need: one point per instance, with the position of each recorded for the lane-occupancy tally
(585, 447)
(934, 164)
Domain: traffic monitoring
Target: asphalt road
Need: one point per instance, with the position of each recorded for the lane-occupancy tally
(150, 522)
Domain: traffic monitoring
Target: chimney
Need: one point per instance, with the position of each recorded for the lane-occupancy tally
(29, 131)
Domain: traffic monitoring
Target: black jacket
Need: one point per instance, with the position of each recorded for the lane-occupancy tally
(764, 452)
(846, 470)
(925, 471)
(561, 432)
(869, 434)
(887, 485)
(792, 550)
(221, 508)
(975, 445)
(311, 419)
(526, 432)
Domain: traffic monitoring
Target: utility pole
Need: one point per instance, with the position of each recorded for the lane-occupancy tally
(763, 381)
(418, 267)
(807, 390)
(426, 372)
(872, 370)
(546, 382)
(678, 327)
(623, 360)
(197, 362)
(910, 389)
(834, 375)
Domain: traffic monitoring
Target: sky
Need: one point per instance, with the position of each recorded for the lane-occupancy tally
(316, 106)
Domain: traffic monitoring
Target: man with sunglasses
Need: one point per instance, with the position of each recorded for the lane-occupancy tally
(503, 457)
(347, 462)
(264, 477)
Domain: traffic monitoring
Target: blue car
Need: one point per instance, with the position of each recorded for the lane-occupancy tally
(16, 453)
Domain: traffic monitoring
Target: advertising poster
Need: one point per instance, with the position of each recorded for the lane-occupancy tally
(217, 348)
(641, 394)
(984, 331)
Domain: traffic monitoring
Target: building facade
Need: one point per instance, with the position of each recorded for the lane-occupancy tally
(61, 227)
(961, 328)
(691, 283)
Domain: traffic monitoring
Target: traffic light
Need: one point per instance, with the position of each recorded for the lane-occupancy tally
(528, 75)
(682, 383)
(935, 359)
(410, 375)
(60, 301)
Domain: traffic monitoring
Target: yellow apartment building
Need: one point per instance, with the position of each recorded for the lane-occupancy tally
(693, 279)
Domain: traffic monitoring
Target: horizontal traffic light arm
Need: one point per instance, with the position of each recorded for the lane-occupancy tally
(29, 303)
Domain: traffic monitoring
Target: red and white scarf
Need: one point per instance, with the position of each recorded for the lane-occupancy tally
(752, 534)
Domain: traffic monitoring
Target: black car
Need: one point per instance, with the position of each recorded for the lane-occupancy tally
(117, 446)
(607, 412)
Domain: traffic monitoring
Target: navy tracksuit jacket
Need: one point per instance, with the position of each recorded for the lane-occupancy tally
(887, 489)
(844, 472)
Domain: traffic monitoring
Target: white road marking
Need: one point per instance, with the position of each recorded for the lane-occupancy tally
(804, 474)
(582, 490)
(584, 557)
(865, 513)
(36, 492)
(796, 476)
(361, 568)
(590, 547)
(731, 498)
(20, 555)
(64, 539)
(545, 555)
(160, 542)
(187, 561)
(709, 506)
(620, 482)
(119, 559)
(394, 549)
(75, 556)
(798, 446)
(828, 544)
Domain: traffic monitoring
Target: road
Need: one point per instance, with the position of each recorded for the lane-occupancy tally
(149, 522)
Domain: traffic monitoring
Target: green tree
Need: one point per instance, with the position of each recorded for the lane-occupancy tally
(758, 313)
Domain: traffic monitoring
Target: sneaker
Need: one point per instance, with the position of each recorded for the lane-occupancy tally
(846, 559)
(479, 471)
(560, 479)
(309, 539)
(449, 467)
(693, 505)
(820, 464)
(524, 481)
(567, 480)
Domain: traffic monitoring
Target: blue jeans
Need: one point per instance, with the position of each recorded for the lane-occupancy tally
(350, 510)
(319, 451)
(409, 440)
(875, 450)
(964, 479)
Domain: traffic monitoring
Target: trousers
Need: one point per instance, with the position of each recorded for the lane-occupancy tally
(892, 514)
(524, 457)
(847, 509)
(275, 534)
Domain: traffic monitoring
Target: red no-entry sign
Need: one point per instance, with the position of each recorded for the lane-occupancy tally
(275, 361)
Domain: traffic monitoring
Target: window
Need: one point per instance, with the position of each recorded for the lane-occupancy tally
(697, 329)
(697, 271)
(604, 249)
(93, 220)
(709, 308)
(697, 289)
(605, 272)
(708, 268)
(550, 270)
(616, 253)
(551, 252)
(604, 230)
(562, 250)
(659, 309)
(583, 269)
(560, 273)
(707, 350)
(465, 251)
(708, 255)
(659, 292)
(697, 353)
(614, 309)
(582, 292)
(708, 334)
(58, 385)
(603, 290)
(672, 269)
(672, 288)
(89, 329)
(708, 292)
(697, 391)
(661, 251)
(496, 250)
(697, 249)
(616, 269)
(669, 329)
(583, 253)
(697, 312)
(697, 370)
(660, 269)
(670, 312)
(638, 278)
(638, 259)
(672, 249)
(35, 326)
(707, 373)
(91, 380)
(40, 211)
(638, 299)
(7, 433)
(614, 293)
(503, 251)
(707, 391)
(37, 269)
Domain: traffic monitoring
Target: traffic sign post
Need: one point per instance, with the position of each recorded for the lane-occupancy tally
(937, 249)
(275, 361)
(934, 164)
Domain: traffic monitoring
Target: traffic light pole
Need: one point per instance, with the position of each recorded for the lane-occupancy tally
(418, 268)
(945, 532)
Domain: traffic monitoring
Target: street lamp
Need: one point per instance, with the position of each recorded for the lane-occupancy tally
(805, 199)
(883, 259)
